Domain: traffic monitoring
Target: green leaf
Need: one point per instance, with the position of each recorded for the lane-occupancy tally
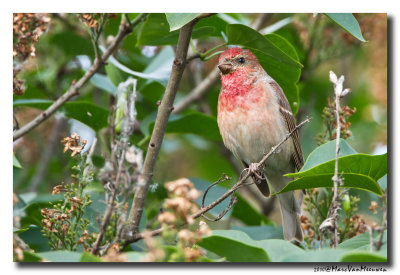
(363, 242)
(237, 246)
(30, 257)
(247, 214)
(287, 76)
(158, 70)
(239, 34)
(359, 171)
(116, 75)
(234, 246)
(262, 232)
(348, 22)
(362, 256)
(357, 181)
(374, 166)
(61, 256)
(20, 230)
(89, 258)
(156, 31)
(104, 83)
(35, 239)
(323, 255)
(16, 163)
(327, 152)
(90, 114)
(214, 21)
(72, 43)
(383, 182)
(178, 20)
(193, 123)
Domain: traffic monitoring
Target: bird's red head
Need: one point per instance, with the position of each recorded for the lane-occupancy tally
(236, 59)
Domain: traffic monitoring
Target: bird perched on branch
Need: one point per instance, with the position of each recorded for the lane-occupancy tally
(253, 116)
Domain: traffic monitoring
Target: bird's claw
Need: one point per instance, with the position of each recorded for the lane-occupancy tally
(253, 169)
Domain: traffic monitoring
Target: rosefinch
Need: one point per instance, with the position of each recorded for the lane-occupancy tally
(253, 116)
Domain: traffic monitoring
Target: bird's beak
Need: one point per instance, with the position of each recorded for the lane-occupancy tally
(225, 68)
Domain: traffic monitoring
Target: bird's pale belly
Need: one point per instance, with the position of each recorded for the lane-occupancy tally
(250, 133)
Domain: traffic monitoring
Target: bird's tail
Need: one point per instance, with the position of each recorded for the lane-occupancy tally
(290, 209)
(290, 217)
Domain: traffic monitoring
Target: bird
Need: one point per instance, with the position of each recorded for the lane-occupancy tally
(253, 116)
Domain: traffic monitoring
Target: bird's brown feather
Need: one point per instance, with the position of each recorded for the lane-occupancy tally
(286, 112)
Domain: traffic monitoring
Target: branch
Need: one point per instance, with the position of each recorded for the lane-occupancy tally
(237, 185)
(124, 29)
(204, 87)
(331, 221)
(157, 136)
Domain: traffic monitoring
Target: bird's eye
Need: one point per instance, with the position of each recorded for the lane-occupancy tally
(241, 60)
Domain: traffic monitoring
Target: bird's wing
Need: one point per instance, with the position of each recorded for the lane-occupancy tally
(286, 112)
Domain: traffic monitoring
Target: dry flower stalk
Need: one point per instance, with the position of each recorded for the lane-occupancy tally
(73, 143)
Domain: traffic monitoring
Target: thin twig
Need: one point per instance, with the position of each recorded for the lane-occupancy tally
(237, 185)
(124, 29)
(331, 221)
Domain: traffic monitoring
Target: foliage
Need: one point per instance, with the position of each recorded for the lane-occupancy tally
(79, 206)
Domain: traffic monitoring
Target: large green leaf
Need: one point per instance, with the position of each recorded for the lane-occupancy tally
(374, 166)
(362, 257)
(193, 123)
(247, 214)
(286, 75)
(359, 171)
(214, 21)
(61, 256)
(178, 20)
(327, 152)
(158, 70)
(314, 256)
(89, 258)
(357, 181)
(237, 246)
(88, 113)
(239, 34)
(335, 255)
(348, 22)
(34, 238)
(72, 43)
(234, 246)
(262, 232)
(156, 31)
(363, 242)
